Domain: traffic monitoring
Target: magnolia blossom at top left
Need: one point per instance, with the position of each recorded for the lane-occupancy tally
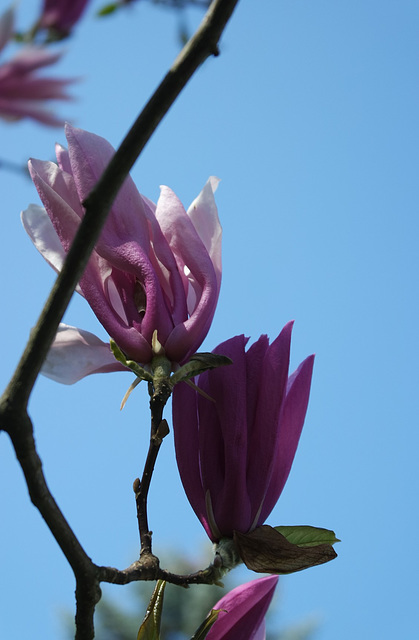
(23, 93)
(155, 267)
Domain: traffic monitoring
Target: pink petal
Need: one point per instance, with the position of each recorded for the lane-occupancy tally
(246, 607)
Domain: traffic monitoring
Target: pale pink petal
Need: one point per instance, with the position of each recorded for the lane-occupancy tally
(76, 354)
(204, 215)
(43, 235)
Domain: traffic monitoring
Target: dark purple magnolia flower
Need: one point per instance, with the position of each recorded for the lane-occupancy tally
(242, 615)
(234, 454)
(61, 15)
(23, 93)
(154, 268)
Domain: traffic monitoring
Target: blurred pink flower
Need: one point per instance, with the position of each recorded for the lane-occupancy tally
(60, 15)
(243, 610)
(23, 94)
(234, 454)
(154, 267)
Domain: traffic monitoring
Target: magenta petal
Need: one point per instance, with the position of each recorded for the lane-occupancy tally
(290, 426)
(186, 443)
(61, 16)
(245, 609)
(271, 387)
(76, 354)
(223, 439)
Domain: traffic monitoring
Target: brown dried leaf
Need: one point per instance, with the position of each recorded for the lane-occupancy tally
(265, 550)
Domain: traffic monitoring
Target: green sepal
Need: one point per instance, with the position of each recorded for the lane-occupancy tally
(150, 627)
(307, 536)
(108, 9)
(199, 363)
(130, 364)
(204, 628)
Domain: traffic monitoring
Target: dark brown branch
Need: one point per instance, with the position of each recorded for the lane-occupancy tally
(159, 429)
(141, 571)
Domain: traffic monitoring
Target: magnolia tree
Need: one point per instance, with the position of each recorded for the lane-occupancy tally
(151, 273)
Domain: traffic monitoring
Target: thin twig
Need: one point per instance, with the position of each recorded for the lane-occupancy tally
(159, 429)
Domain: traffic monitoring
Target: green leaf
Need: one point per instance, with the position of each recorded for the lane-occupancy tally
(306, 536)
(150, 628)
(199, 363)
(108, 9)
(204, 628)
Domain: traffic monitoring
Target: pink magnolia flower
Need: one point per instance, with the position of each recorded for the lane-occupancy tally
(24, 94)
(61, 15)
(234, 454)
(154, 267)
(243, 610)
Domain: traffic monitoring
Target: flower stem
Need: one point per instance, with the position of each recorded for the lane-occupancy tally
(159, 394)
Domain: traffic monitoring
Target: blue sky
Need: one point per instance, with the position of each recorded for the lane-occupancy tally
(309, 117)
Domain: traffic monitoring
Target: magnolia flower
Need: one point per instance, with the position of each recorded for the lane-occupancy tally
(242, 615)
(235, 453)
(59, 16)
(154, 267)
(23, 94)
